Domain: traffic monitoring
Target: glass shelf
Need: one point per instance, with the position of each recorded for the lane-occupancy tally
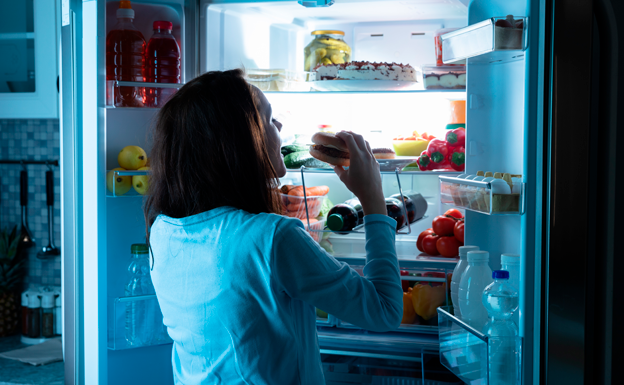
(485, 42)
(464, 349)
(479, 197)
(119, 336)
(137, 93)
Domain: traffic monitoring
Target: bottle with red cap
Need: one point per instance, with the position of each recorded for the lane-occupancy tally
(125, 50)
(162, 64)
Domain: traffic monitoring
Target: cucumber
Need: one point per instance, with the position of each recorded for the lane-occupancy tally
(286, 150)
(297, 159)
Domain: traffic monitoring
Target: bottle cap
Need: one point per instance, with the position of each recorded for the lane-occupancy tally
(47, 300)
(125, 10)
(162, 24)
(335, 222)
(463, 250)
(34, 301)
(500, 274)
(510, 259)
(478, 256)
(139, 248)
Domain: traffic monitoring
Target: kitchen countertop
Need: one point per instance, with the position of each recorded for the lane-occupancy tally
(18, 373)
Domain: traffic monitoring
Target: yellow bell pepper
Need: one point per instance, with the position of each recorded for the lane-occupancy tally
(409, 315)
(426, 299)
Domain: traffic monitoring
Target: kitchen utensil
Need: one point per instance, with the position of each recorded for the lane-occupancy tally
(26, 238)
(50, 250)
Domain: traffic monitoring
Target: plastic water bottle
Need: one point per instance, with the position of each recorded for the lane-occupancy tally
(457, 274)
(501, 300)
(476, 277)
(162, 64)
(511, 263)
(125, 57)
(139, 314)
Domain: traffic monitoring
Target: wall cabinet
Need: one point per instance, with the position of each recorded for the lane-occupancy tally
(29, 42)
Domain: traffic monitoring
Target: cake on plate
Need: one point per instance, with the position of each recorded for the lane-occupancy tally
(364, 70)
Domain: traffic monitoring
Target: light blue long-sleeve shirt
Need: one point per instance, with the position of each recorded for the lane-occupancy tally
(238, 291)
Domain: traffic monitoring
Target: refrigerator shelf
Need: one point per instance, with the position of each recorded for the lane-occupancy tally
(119, 310)
(114, 191)
(158, 90)
(464, 349)
(486, 43)
(479, 197)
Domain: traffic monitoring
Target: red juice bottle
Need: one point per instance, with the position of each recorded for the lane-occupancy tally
(162, 64)
(125, 50)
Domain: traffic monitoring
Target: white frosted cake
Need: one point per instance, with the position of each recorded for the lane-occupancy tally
(364, 70)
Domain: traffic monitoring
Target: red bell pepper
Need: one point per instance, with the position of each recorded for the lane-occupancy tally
(456, 137)
(424, 162)
(457, 158)
(437, 151)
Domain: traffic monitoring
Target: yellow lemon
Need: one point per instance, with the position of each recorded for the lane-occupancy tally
(141, 182)
(132, 158)
(121, 184)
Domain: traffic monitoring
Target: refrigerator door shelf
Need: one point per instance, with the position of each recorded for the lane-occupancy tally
(479, 196)
(162, 90)
(117, 190)
(464, 350)
(486, 43)
(144, 312)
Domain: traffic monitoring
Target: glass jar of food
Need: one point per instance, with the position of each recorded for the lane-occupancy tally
(328, 47)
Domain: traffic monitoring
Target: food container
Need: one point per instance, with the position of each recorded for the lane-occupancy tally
(280, 80)
(438, 44)
(410, 147)
(444, 77)
(328, 47)
(317, 226)
(295, 206)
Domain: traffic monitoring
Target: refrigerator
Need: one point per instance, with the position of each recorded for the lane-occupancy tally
(523, 107)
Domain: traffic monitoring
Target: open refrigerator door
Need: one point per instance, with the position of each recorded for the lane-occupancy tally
(391, 93)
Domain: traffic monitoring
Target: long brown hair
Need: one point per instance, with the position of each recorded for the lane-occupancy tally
(209, 150)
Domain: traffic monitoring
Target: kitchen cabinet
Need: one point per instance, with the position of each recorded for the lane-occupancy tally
(29, 41)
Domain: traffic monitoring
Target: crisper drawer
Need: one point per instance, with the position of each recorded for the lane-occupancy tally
(340, 369)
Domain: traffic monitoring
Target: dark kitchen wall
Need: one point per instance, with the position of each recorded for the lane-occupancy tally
(32, 140)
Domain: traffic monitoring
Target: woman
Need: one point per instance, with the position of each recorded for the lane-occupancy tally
(236, 282)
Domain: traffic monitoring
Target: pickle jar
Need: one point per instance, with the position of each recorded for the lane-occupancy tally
(328, 47)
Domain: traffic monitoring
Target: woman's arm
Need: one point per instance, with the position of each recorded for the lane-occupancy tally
(305, 271)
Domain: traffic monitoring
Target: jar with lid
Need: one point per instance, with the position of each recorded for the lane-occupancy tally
(47, 314)
(58, 314)
(328, 47)
(25, 313)
(34, 315)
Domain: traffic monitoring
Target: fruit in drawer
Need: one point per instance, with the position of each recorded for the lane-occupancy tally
(141, 182)
(132, 158)
(409, 314)
(120, 184)
(426, 299)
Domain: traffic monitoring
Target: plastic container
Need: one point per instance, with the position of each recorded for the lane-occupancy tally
(280, 80)
(457, 274)
(315, 228)
(501, 300)
(444, 77)
(295, 206)
(162, 64)
(328, 47)
(458, 111)
(125, 59)
(474, 279)
(410, 147)
(139, 328)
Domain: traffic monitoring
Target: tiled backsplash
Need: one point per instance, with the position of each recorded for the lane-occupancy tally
(32, 140)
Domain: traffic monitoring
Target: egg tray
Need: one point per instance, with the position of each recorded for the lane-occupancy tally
(478, 196)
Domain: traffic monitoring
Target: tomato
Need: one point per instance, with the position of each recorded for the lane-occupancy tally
(454, 213)
(443, 225)
(421, 237)
(429, 244)
(436, 275)
(448, 246)
(405, 284)
(458, 231)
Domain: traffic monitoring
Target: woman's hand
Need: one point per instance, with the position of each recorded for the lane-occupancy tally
(362, 177)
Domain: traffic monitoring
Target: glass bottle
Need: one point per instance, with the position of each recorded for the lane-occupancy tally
(328, 47)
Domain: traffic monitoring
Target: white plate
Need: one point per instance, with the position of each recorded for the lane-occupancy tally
(364, 85)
